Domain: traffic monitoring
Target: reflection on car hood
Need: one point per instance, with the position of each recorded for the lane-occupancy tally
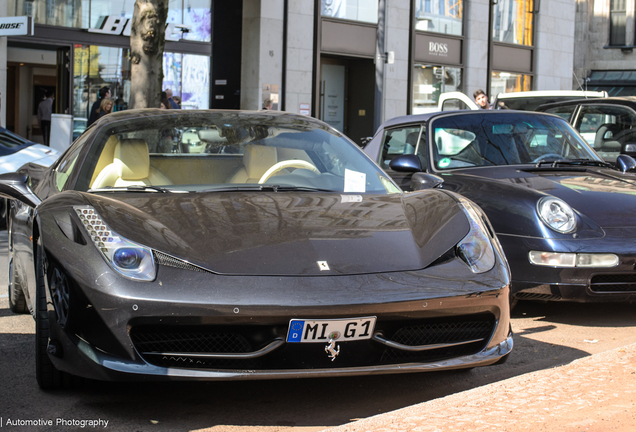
(605, 196)
(36, 153)
(289, 234)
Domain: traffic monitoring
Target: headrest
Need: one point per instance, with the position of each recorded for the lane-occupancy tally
(258, 159)
(412, 138)
(132, 159)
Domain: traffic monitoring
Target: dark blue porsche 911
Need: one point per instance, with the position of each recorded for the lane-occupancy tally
(565, 218)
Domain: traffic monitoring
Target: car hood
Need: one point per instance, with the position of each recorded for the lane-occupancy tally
(602, 197)
(290, 234)
(36, 153)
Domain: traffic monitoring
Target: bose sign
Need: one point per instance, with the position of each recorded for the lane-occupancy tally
(114, 25)
(16, 26)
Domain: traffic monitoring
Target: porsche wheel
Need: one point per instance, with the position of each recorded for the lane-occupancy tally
(47, 375)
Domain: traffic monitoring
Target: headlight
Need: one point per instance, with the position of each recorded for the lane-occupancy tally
(556, 214)
(128, 258)
(476, 248)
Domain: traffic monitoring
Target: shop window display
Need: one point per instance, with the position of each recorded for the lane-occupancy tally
(506, 82)
(429, 82)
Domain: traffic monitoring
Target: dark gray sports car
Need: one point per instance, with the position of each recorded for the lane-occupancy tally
(224, 245)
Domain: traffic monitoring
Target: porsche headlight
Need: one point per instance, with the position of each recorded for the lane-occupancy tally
(556, 214)
(476, 248)
(128, 258)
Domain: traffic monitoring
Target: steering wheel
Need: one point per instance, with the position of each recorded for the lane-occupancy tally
(292, 163)
(547, 156)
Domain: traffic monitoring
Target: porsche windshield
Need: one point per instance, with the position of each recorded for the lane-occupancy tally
(195, 151)
(500, 138)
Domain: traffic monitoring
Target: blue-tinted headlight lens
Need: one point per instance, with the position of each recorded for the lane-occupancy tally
(127, 258)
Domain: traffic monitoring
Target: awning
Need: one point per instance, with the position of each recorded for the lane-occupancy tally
(615, 83)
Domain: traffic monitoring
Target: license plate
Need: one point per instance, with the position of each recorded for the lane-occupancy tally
(341, 330)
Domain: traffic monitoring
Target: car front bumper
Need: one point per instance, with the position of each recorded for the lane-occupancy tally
(579, 284)
(107, 329)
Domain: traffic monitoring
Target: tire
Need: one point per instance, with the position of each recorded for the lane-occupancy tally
(17, 301)
(47, 375)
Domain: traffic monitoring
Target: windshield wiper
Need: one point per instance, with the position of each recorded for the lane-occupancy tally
(133, 188)
(578, 162)
(265, 187)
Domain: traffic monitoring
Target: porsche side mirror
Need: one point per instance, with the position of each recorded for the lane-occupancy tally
(422, 180)
(16, 186)
(406, 163)
(625, 163)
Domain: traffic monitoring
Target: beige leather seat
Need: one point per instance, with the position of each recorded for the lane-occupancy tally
(130, 166)
(256, 160)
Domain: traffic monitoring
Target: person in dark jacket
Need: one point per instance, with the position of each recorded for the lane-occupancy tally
(104, 92)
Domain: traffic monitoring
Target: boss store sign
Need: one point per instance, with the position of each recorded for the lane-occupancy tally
(16, 26)
(436, 49)
(115, 25)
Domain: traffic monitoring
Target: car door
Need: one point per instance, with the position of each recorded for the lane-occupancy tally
(453, 101)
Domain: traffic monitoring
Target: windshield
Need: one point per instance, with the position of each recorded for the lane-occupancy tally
(530, 103)
(194, 151)
(498, 138)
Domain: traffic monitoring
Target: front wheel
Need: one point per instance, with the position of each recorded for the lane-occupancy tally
(48, 376)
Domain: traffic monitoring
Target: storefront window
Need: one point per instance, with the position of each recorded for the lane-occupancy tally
(197, 14)
(512, 22)
(63, 13)
(356, 10)
(103, 8)
(429, 82)
(506, 82)
(96, 67)
(91, 13)
(439, 16)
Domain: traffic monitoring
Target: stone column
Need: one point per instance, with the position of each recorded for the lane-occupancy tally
(262, 51)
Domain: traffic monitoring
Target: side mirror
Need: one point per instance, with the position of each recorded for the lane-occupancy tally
(406, 163)
(625, 163)
(421, 180)
(16, 186)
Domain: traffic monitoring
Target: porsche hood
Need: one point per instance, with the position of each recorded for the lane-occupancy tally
(282, 234)
(605, 196)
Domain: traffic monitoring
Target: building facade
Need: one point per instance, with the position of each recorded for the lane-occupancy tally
(604, 57)
(351, 63)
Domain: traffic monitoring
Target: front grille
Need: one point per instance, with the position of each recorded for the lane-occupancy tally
(536, 296)
(610, 282)
(151, 340)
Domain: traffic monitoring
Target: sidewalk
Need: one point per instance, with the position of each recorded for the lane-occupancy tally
(595, 393)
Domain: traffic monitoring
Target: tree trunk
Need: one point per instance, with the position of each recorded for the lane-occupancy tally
(147, 41)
